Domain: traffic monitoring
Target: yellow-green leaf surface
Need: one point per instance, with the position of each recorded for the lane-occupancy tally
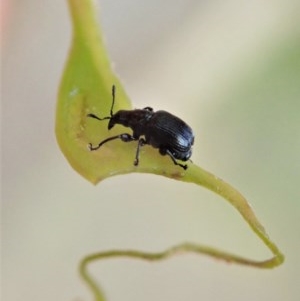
(86, 88)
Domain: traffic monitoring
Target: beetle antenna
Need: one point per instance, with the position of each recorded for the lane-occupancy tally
(113, 92)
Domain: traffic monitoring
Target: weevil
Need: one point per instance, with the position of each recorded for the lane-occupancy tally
(162, 130)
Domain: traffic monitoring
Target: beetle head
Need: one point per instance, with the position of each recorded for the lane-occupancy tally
(121, 117)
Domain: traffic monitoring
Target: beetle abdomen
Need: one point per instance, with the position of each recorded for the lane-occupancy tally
(166, 131)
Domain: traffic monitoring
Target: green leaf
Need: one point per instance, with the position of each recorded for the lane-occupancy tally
(86, 88)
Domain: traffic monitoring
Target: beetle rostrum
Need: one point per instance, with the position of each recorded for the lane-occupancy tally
(162, 130)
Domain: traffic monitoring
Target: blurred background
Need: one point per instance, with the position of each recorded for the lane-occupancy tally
(231, 69)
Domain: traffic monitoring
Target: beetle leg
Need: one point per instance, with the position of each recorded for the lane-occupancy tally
(142, 142)
(184, 166)
(124, 137)
(148, 109)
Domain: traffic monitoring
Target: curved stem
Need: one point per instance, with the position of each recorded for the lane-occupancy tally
(204, 178)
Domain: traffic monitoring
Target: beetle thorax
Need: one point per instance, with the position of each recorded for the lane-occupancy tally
(135, 119)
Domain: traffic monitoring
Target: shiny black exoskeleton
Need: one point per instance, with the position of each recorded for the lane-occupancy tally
(160, 129)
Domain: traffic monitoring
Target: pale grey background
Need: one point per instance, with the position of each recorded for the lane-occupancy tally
(231, 69)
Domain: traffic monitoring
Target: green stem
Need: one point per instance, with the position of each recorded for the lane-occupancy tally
(86, 29)
(237, 200)
(223, 189)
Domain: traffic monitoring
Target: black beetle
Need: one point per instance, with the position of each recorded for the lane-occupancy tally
(160, 129)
